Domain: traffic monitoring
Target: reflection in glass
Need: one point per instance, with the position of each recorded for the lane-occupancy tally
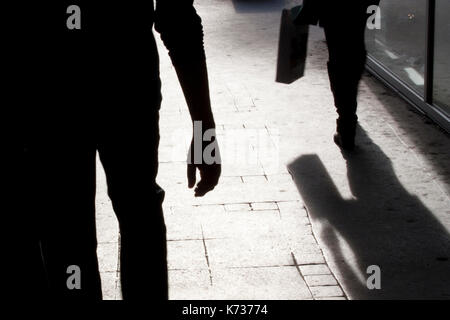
(400, 44)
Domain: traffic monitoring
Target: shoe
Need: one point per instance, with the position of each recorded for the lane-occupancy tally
(346, 144)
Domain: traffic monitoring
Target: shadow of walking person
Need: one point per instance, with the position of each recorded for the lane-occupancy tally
(383, 225)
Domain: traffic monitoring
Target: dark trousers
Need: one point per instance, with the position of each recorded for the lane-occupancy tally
(61, 188)
(344, 26)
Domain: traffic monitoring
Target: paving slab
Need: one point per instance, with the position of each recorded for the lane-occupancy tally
(186, 254)
(272, 283)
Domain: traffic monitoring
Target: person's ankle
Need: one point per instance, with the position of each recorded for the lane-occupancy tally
(346, 143)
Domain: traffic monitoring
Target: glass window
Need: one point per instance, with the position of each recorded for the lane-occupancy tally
(400, 43)
(441, 58)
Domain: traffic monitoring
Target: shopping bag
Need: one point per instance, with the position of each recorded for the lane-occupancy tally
(292, 46)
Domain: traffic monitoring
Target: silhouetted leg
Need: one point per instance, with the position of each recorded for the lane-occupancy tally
(344, 32)
(129, 157)
(65, 183)
(28, 273)
(26, 276)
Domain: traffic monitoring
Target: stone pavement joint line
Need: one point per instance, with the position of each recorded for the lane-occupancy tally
(206, 256)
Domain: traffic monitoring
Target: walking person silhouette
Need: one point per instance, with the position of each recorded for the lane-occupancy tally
(102, 94)
(344, 23)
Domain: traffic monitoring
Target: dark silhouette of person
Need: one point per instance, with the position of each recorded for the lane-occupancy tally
(92, 86)
(344, 23)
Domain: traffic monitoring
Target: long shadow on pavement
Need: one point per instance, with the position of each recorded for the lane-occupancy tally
(383, 225)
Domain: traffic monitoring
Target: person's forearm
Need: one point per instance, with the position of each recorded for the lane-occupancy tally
(182, 33)
(193, 77)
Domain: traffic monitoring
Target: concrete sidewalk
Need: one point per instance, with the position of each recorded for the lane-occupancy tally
(292, 217)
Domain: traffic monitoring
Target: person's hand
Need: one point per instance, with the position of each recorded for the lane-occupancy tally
(209, 170)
